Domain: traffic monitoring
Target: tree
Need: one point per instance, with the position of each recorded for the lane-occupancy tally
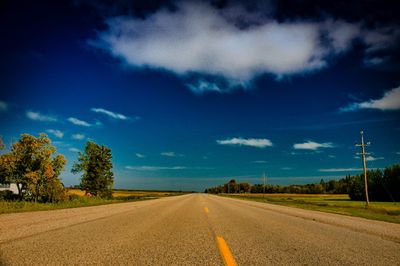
(231, 187)
(391, 182)
(95, 163)
(31, 164)
(244, 187)
(7, 168)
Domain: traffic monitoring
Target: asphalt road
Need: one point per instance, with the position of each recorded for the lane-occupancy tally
(188, 230)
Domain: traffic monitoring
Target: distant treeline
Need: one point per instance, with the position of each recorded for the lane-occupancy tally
(382, 186)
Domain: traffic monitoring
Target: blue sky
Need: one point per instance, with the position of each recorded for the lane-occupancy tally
(191, 94)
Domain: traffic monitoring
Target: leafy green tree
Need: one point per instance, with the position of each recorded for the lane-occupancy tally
(7, 168)
(244, 187)
(32, 165)
(95, 163)
(391, 182)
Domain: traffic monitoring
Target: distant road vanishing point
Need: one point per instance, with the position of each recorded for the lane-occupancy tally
(195, 229)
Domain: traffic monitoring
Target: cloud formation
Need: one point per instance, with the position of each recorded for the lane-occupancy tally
(55, 132)
(154, 168)
(139, 155)
(330, 170)
(311, 145)
(196, 38)
(110, 113)
(72, 149)
(37, 116)
(78, 122)
(260, 161)
(78, 136)
(390, 101)
(371, 158)
(258, 143)
(171, 154)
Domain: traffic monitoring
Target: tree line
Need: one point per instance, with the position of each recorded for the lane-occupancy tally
(34, 165)
(382, 186)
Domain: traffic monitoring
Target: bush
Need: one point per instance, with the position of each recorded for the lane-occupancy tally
(72, 197)
(8, 195)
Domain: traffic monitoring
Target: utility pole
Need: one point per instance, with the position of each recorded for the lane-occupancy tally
(363, 153)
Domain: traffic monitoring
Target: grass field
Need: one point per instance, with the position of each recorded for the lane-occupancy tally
(78, 199)
(125, 193)
(340, 204)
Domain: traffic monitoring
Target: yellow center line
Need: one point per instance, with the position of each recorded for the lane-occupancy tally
(225, 252)
(206, 210)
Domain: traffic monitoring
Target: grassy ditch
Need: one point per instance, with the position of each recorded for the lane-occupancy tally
(340, 204)
(77, 198)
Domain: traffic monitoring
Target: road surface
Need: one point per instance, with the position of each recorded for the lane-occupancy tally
(195, 229)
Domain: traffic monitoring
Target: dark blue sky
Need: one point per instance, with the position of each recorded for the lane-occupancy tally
(190, 94)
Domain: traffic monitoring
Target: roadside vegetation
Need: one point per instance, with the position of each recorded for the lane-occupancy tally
(382, 186)
(333, 203)
(344, 196)
(77, 198)
(34, 165)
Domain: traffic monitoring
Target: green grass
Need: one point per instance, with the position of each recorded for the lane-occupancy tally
(340, 204)
(78, 201)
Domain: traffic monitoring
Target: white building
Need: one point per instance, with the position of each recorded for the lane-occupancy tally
(12, 187)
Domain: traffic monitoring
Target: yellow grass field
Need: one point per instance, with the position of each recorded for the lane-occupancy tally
(126, 193)
(290, 195)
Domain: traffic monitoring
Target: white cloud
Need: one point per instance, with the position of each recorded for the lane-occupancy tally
(139, 155)
(78, 136)
(286, 168)
(56, 132)
(60, 144)
(74, 150)
(340, 170)
(311, 145)
(260, 161)
(78, 122)
(331, 156)
(341, 34)
(3, 106)
(372, 158)
(398, 153)
(171, 154)
(373, 61)
(389, 101)
(168, 154)
(110, 113)
(201, 86)
(37, 116)
(197, 38)
(154, 168)
(258, 143)
(380, 38)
